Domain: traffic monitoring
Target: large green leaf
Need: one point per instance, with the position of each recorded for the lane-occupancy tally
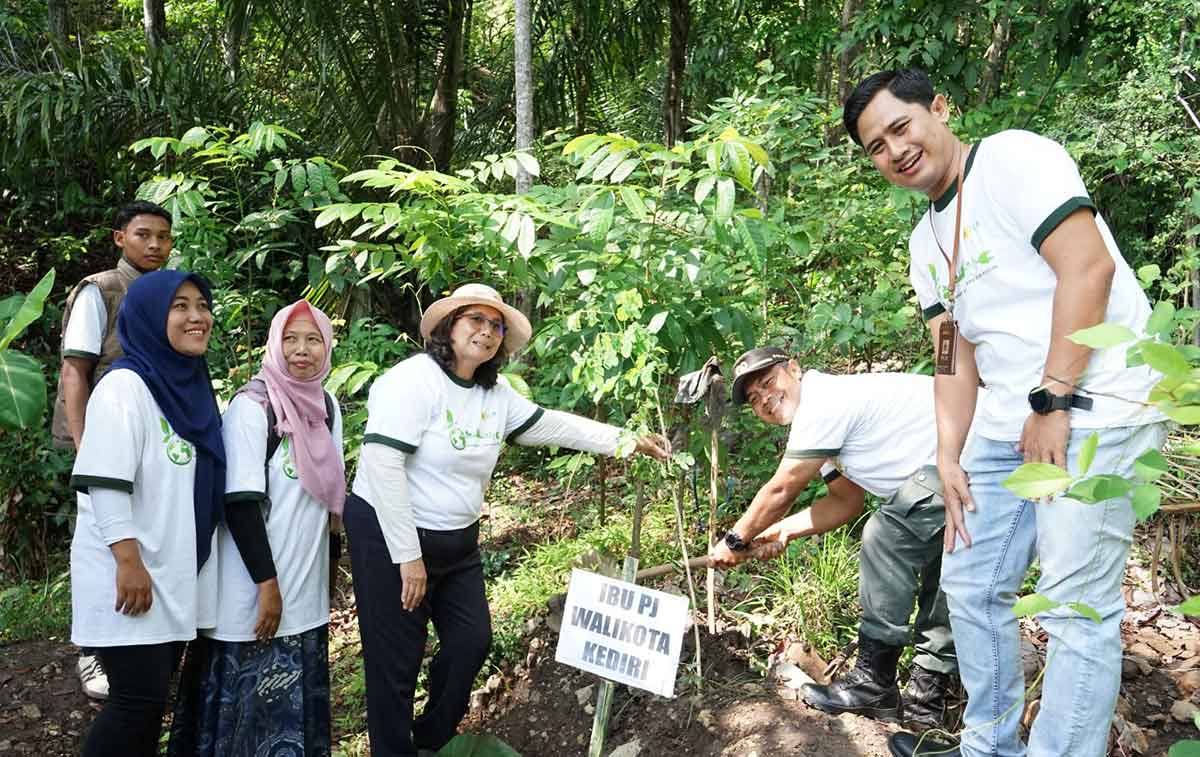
(1150, 465)
(1102, 335)
(1088, 453)
(1165, 359)
(476, 745)
(1099, 488)
(1032, 604)
(1036, 480)
(1189, 748)
(30, 311)
(1146, 500)
(22, 390)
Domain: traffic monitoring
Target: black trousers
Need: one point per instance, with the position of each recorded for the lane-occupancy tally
(394, 639)
(139, 680)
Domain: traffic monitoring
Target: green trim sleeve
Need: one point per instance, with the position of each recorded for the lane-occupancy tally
(246, 496)
(933, 311)
(82, 483)
(810, 454)
(1058, 216)
(82, 354)
(388, 441)
(528, 424)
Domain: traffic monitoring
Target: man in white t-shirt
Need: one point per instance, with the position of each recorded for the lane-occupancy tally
(1034, 263)
(142, 232)
(872, 432)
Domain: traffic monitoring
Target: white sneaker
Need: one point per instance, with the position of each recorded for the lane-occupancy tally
(92, 677)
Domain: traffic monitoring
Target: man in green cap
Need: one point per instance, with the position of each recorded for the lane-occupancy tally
(863, 433)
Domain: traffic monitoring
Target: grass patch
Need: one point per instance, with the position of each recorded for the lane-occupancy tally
(36, 609)
(810, 591)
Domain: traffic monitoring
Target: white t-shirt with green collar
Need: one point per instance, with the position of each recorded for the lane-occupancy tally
(297, 529)
(1018, 188)
(451, 431)
(878, 428)
(129, 449)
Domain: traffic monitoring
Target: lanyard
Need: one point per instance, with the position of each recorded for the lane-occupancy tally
(952, 259)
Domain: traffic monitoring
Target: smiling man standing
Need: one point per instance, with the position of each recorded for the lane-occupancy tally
(870, 432)
(142, 231)
(1010, 258)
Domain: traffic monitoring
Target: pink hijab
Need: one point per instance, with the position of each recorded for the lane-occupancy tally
(300, 409)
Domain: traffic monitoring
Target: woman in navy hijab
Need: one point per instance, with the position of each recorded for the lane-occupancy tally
(143, 571)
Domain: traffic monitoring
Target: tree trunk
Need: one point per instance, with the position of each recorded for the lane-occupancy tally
(994, 60)
(233, 35)
(850, 54)
(523, 68)
(681, 21)
(445, 97)
(57, 14)
(154, 19)
(582, 81)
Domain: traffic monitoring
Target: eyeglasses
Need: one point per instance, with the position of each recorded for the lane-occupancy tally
(479, 319)
(763, 386)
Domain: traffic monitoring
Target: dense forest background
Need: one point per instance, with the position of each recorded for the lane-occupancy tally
(686, 187)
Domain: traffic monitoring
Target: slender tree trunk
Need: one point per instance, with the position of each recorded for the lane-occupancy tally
(444, 110)
(681, 21)
(523, 68)
(233, 34)
(994, 60)
(582, 81)
(154, 19)
(850, 54)
(58, 12)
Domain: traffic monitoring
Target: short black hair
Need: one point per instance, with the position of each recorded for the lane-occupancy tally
(910, 85)
(139, 208)
(438, 347)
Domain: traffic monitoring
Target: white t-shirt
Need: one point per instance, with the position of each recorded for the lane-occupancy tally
(87, 326)
(451, 431)
(880, 428)
(1018, 188)
(128, 445)
(297, 530)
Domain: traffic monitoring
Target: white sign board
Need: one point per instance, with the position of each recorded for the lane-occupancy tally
(623, 632)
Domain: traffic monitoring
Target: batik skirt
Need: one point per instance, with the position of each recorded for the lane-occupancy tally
(254, 698)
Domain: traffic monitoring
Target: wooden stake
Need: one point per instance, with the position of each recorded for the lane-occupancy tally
(714, 473)
(628, 573)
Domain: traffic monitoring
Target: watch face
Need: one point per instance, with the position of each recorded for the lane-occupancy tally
(1039, 400)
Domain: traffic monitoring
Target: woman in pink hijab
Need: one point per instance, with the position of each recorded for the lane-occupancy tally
(258, 683)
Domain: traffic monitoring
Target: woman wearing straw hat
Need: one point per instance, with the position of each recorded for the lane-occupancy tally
(435, 424)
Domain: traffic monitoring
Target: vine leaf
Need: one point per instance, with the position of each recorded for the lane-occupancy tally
(1037, 480)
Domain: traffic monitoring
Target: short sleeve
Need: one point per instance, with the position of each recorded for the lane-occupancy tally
(337, 429)
(822, 423)
(520, 413)
(1036, 182)
(400, 405)
(244, 431)
(83, 335)
(922, 279)
(113, 435)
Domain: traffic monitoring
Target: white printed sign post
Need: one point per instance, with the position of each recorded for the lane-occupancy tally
(622, 632)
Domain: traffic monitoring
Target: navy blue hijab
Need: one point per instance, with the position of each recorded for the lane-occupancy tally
(180, 385)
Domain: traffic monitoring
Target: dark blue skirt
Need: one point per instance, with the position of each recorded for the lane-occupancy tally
(254, 698)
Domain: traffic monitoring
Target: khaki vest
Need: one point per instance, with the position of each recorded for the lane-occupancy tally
(113, 284)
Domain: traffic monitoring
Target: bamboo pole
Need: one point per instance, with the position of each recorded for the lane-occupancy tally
(714, 474)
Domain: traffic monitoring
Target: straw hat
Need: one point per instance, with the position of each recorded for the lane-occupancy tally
(517, 330)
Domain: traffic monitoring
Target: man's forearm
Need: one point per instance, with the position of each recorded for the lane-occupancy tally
(769, 505)
(954, 400)
(826, 514)
(1080, 301)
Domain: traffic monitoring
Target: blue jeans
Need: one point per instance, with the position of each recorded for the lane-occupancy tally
(1081, 550)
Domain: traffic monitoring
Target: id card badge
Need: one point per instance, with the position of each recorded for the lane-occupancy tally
(947, 348)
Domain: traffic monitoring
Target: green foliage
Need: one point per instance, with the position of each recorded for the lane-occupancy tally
(473, 745)
(22, 385)
(33, 609)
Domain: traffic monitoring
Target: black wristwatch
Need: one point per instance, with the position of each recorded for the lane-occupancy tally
(1044, 402)
(735, 543)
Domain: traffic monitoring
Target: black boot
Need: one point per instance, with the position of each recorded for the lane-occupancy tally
(869, 689)
(927, 699)
(904, 744)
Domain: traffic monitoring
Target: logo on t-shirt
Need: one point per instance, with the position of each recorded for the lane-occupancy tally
(970, 270)
(289, 465)
(179, 451)
(461, 438)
